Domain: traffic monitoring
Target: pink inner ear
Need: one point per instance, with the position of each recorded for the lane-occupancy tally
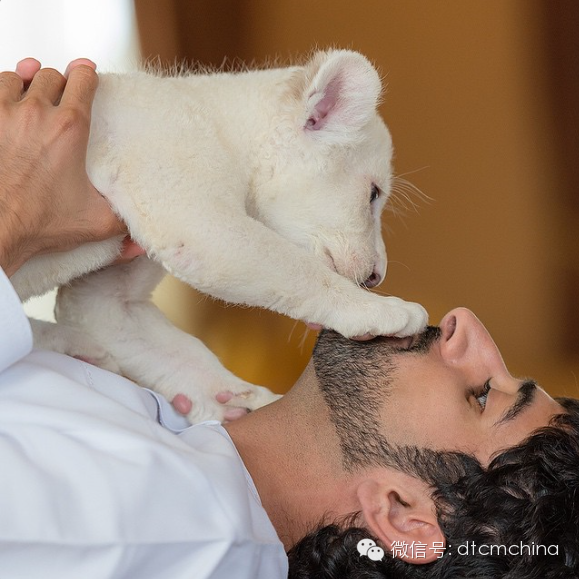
(325, 105)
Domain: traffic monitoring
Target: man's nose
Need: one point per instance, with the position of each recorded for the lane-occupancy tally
(467, 345)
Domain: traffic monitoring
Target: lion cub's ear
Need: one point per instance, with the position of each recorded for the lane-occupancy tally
(340, 95)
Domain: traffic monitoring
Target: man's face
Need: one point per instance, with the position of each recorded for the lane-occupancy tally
(438, 399)
(453, 394)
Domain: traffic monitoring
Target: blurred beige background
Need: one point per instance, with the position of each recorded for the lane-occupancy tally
(481, 102)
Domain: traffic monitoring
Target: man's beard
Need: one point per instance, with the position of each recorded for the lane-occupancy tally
(355, 378)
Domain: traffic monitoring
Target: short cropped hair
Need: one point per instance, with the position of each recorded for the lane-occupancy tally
(525, 505)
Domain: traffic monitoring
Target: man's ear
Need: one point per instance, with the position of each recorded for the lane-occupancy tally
(340, 93)
(399, 511)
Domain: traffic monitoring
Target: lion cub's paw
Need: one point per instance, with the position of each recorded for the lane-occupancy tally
(414, 319)
(380, 316)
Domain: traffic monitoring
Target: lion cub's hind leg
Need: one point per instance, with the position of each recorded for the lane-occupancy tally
(114, 308)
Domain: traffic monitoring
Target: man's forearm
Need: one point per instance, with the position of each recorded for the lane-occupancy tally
(9, 236)
(4, 260)
(16, 235)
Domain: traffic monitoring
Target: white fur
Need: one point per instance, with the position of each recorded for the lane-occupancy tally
(252, 187)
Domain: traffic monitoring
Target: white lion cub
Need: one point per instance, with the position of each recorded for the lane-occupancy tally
(262, 187)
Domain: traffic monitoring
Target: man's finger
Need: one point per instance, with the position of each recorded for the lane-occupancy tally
(80, 87)
(11, 87)
(84, 61)
(182, 404)
(26, 69)
(105, 222)
(47, 85)
(129, 251)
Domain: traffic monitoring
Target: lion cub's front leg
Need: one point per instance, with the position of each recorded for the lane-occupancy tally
(248, 263)
(113, 307)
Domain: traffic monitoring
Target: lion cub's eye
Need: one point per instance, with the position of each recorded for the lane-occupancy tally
(375, 193)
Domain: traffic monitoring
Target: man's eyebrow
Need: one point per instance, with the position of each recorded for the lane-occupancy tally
(525, 397)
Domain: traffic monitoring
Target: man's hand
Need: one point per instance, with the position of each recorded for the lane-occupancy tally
(47, 202)
(183, 405)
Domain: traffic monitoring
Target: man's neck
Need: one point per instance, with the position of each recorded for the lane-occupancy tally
(293, 456)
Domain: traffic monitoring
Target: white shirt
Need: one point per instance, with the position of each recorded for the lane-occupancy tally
(92, 487)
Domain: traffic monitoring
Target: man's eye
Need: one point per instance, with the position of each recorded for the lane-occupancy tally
(375, 193)
(482, 396)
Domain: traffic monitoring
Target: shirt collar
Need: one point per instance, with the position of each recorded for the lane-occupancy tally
(15, 331)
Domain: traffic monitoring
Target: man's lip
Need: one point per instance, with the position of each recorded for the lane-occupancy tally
(405, 343)
(398, 343)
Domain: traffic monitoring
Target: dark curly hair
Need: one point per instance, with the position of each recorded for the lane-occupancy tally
(527, 497)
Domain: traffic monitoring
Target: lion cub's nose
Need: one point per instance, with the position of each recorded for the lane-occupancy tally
(374, 279)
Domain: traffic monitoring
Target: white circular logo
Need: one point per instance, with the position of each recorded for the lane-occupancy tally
(375, 553)
(364, 545)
